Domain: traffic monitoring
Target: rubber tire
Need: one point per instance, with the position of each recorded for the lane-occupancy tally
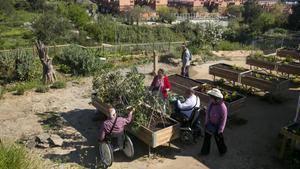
(128, 147)
(106, 154)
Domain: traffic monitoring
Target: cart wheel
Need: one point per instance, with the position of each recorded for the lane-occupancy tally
(106, 154)
(128, 147)
(186, 137)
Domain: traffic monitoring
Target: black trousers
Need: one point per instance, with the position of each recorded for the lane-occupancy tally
(219, 141)
(185, 71)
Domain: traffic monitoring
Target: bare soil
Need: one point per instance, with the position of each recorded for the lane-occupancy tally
(251, 144)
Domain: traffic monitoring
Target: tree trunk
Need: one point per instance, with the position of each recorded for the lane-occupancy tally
(48, 70)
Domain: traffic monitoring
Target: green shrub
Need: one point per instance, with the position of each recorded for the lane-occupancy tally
(1, 91)
(19, 65)
(227, 45)
(64, 68)
(80, 61)
(42, 89)
(58, 85)
(14, 156)
(20, 91)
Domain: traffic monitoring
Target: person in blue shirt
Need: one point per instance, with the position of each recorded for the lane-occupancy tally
(186, 58)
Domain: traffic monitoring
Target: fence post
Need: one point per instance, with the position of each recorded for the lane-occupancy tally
(155, 62)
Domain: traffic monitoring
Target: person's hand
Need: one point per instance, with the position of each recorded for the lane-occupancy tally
(167, 89)
(130, 109)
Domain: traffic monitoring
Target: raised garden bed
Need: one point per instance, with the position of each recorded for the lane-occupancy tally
(289, 53)
(289, 68)
(226, 71)
(158, 133)
(274, 64)
(262, 63)
(233, 100)
(258, 80)
(265, 82)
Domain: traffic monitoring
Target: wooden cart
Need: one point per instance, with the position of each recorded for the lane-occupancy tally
(151, 138)
(179, 84)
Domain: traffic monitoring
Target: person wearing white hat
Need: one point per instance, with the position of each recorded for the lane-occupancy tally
(215, 122)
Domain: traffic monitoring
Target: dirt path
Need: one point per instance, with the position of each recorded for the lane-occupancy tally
(253, 145)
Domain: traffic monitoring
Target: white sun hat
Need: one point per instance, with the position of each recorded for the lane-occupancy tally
(215, 92)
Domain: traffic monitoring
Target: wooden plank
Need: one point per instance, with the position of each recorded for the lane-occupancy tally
(166, 135)
(143, 134)
(288, 53)
(289, 68)
(260, 63)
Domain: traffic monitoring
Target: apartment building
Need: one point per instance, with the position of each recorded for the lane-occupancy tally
(109, 6)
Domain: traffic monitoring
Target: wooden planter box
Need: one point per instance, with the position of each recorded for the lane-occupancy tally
(260, 63)
(274, 87)
(232, 106)
(289, 53)
(159, 137)
(225, 71)
(179, 84)
(249, 79)
(291, 68)
(151, 138)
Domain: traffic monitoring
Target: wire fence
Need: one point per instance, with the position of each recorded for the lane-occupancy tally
(107, 49)
(275, 43)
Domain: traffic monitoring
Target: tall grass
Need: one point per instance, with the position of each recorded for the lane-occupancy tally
(14, 156)
(229, 46)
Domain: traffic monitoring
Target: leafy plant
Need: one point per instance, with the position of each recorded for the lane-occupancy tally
(79, 61)
(228, 96)
(20, 91)
(1, 91)
(58, 85)
(123, 90)
(42, 89)
(235, 67)
(19, 65)
(16, 156)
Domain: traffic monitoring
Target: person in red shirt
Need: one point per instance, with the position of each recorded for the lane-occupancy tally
(161, 84)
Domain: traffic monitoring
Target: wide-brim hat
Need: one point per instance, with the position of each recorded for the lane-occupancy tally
(216, 93)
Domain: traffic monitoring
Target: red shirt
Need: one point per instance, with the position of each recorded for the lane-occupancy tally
(166, 85)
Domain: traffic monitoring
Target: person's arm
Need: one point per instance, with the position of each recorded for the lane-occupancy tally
(101, 135)
(128, 119)
(223, 118)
